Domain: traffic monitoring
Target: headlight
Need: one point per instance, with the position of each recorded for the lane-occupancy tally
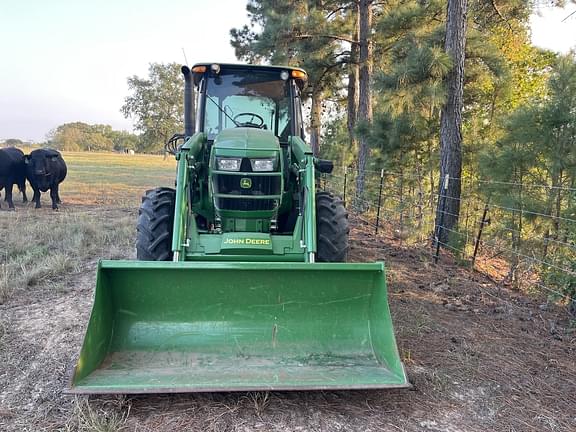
(262, 164)
(228, 164)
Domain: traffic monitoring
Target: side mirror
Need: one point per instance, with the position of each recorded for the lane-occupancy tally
(324, 166)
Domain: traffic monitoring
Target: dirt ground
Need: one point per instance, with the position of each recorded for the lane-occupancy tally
(480, 358)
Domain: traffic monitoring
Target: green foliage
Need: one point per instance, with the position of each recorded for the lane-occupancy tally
(410, 82)
(336, 139)
(457, 245)
(540, 144)
(123, 140)
(410, 65)
(539, 148)
(155, 103)
(555, 276)
(80, 136)
(314, 35)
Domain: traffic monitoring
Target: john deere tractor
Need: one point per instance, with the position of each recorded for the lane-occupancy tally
(240, 282)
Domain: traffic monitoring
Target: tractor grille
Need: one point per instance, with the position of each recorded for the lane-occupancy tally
(259, 185)
(245, 204)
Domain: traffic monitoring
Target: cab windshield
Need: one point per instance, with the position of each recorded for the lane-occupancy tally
(247, 98)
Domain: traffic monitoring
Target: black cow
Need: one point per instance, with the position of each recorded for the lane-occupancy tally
(12, 172)
(45, 169)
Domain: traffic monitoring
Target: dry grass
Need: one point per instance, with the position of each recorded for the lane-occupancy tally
(114, 179)
(41, 247)
(110, 416)
(46, 249)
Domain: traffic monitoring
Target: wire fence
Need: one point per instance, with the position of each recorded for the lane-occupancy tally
(520, 235)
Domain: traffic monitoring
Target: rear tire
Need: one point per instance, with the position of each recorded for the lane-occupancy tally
(331, 228)
(155, 225)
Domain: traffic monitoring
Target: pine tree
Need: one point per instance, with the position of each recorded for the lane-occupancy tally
(313, 35)
(539, 148)
(448, 210)
(365, 94)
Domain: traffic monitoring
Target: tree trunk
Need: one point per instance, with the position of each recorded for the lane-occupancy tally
(353, 89)
(451, 122)
(315, 121)
(365, 101)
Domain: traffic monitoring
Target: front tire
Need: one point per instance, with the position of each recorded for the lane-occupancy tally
(331, 228)
(155, 225)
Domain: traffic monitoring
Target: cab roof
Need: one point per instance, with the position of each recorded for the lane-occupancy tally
(250, 66)
(300, 80)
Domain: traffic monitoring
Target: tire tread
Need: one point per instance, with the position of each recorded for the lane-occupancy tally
(155, 225)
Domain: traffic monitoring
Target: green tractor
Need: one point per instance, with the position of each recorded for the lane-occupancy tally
(240, 282)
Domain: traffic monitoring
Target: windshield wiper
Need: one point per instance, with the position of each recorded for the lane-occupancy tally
(222, 110)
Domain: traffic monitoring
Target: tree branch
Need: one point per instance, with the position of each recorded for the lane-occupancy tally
(340, 54)
(495, 7)
(335, 11)
(335, 37)
(328, 69)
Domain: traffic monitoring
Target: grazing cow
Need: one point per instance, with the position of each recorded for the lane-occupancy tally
(45, 169)
(12, 172)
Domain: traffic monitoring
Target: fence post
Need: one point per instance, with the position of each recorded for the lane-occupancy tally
(379, 199)
(401, 233)
(344, 193)
(441, 221)
(479, 236)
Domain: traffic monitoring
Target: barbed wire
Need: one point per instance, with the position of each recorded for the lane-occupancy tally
(512, 209)
(532, 213)
(424, 176)
(416, 209)
(529, 258)
(542, 239)
(546, 288)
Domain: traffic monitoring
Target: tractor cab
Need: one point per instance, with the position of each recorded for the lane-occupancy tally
(248, 115)
(249, 96)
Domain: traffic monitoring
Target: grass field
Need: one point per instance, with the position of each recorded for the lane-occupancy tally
(480, 357)
(114, 179)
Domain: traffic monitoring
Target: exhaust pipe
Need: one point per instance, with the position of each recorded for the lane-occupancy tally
(188, 102)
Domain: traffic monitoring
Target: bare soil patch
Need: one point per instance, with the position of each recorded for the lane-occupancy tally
(480, 357)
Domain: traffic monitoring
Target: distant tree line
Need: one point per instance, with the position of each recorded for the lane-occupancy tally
(80, 136)
(14, 142)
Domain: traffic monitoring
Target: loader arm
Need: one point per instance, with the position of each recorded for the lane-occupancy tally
(302, 154)
(187, 158)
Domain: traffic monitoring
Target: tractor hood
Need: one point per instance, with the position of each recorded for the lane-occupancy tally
(245, 141)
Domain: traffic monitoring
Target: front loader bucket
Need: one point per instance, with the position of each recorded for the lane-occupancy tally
(166, 327)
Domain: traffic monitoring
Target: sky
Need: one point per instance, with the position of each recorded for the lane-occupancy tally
(68, 60)
(554, 28)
